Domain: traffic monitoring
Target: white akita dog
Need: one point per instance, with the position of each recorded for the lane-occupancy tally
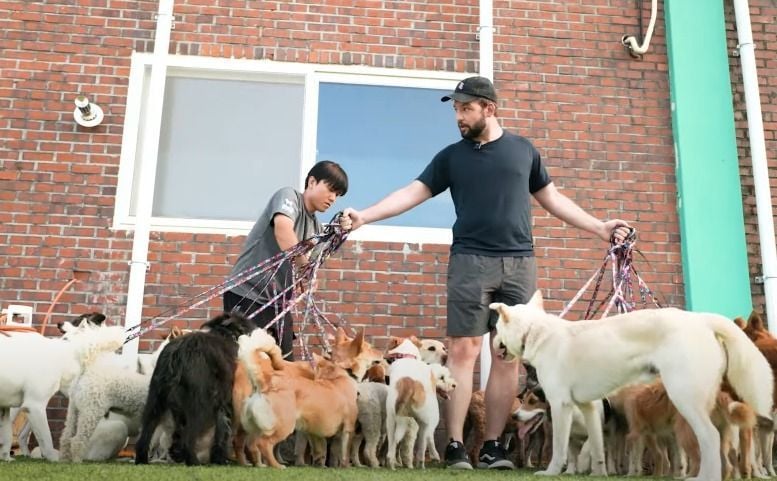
(582, 361)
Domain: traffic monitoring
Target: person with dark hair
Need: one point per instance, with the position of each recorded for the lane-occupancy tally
(492, 175)
(288, 218)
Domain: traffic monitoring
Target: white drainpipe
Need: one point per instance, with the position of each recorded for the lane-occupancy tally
(152, 126)
(486, 36)
(755, 129)
(630, 41)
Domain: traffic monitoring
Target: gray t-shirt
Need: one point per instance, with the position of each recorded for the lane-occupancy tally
(261, 243)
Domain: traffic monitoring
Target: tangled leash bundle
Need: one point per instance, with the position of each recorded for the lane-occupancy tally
(284, 301)
(624, 274)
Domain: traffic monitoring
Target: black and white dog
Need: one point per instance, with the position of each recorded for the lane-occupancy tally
(192, 384)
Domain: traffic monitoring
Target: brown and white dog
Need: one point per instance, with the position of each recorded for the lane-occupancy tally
(413, 389)
(430, 351)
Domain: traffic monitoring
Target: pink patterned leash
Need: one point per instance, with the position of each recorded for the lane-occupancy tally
(622, 269)
(333, 236)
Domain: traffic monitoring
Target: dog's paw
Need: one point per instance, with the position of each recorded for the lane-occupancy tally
(547, 472)
(52, 455)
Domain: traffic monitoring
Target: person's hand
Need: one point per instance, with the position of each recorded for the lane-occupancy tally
(615, 230)
(301, 261)
(305, 285)
(355, 216)
(345, 222)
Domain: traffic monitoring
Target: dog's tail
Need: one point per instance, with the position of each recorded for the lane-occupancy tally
(259, 340)
(258, 414)
(411, 395)
(748, 371)
(741, 414)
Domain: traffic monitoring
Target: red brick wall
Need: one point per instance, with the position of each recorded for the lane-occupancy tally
(600, 118)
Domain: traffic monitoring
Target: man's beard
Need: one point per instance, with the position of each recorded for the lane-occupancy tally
(473, 132)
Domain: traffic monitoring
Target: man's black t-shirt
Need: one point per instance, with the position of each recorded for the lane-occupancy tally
(490, 186)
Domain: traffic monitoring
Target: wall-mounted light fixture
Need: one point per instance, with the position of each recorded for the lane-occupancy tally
(87, 114)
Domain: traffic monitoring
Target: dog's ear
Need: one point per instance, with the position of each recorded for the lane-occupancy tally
(740, 322)
(175, 331)
(340, 335)
(501, 309)
(755, 322)
(393, 342)
(96, 318)
(536, 300)
(415, 341)
(357, 343)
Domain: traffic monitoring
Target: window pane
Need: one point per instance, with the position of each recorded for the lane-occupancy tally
(225, 146)
(384, 137)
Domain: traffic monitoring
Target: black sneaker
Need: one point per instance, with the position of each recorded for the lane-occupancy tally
(456, 456)
(493, 456)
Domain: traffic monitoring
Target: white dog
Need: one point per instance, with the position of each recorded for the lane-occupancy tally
(105, 388)
(412, 395)
(580, 362)
(433, 351)
(33, 368)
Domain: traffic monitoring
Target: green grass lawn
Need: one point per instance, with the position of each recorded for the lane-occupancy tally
(36, 470)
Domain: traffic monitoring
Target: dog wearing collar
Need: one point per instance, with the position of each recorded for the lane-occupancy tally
(412, 395)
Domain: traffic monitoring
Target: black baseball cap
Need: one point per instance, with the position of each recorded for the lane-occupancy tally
(472, 88)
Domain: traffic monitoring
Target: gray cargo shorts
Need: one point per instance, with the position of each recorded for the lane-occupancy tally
(476, 281)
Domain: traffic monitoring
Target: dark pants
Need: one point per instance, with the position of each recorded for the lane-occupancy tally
(246, 306)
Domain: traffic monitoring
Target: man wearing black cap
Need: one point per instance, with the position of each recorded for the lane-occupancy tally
(491, 174)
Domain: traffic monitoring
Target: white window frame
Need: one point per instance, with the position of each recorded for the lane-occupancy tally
(314, 74)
